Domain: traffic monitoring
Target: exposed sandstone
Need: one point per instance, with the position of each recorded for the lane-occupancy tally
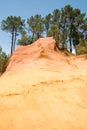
(42, 89)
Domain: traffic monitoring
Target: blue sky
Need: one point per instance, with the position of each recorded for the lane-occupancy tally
(27, 8)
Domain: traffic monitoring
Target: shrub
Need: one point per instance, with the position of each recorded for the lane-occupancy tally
(4, 58)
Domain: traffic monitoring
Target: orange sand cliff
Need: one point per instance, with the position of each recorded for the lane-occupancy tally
(43, 89)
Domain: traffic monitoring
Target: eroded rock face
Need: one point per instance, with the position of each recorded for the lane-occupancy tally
(43, 89)
(32, 54)
(40, 48)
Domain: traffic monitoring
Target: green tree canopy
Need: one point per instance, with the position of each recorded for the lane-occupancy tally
(13, 25)
(68, 26)
(24, 39)
(36, 25)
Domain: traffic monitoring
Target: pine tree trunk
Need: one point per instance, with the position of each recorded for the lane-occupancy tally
(70, 46)
(12, 43)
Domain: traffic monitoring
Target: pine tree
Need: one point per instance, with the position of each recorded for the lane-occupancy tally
(13, 25)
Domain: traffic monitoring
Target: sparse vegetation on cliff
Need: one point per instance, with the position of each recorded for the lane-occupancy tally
(4, 58)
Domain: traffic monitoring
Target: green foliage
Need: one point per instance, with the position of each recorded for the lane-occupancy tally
(3, 61)
(82, 47)
(26, 40)
(36, 25)
(57, 35)
(14, 25)
(47, 22)
(72, 21)
(67, 26)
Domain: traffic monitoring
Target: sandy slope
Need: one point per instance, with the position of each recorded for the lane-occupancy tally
(46, 92)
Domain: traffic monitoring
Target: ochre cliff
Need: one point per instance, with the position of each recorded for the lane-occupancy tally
(43, 89)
